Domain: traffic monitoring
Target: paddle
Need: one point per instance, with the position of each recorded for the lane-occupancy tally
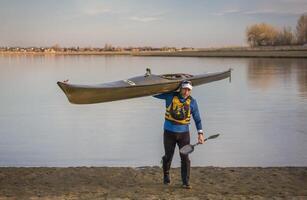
(189, 148)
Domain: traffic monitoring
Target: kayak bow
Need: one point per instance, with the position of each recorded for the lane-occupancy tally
(139, 86)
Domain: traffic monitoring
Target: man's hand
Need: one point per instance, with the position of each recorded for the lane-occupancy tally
(201, 138)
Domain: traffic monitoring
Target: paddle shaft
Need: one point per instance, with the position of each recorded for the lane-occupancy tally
(208, 138)
(189, 148)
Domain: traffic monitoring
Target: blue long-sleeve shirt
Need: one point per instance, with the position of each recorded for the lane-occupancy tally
(178, 128)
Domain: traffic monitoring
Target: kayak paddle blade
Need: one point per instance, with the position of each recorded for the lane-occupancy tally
(187, 149)
(213, 136)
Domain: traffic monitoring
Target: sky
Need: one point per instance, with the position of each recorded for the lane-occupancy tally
(156, 23)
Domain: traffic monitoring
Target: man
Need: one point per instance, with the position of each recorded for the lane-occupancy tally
(180, 106)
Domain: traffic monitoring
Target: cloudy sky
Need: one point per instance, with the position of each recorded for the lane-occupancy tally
(194, 23)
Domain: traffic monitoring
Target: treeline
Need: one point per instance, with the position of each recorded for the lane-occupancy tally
(267, 35)
(107, 48)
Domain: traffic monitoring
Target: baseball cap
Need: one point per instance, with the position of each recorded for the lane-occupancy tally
(186, 84)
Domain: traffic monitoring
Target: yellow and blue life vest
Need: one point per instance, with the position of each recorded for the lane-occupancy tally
(179, 112)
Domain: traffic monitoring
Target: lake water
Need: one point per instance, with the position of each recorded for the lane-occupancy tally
(261, 115)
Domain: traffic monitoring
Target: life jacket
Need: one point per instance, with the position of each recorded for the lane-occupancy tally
(178, 112)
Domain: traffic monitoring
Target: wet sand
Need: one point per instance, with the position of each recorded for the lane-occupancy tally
(146, 183)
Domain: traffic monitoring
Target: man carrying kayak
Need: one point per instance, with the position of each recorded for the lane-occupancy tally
(180, 106)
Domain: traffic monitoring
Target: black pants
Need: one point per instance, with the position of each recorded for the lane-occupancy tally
(170, 141)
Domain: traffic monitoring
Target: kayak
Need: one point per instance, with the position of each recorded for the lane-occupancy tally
(139, 86)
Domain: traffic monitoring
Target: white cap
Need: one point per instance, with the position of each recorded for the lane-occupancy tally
(186, 84)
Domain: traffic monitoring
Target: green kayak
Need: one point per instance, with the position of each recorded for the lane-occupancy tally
(139, 86)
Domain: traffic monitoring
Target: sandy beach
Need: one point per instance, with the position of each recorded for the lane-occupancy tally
(146, 183)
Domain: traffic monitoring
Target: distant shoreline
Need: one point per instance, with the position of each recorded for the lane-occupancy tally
(230, 54)
(65, 53)
(239, 52)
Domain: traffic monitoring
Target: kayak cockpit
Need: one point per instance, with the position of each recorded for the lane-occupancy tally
(180, 76)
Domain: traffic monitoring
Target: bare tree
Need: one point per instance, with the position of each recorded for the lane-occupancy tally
(285, 37)
(56, 47)
(301, 29)
(108, 47)
(253, 34)
(261, 35)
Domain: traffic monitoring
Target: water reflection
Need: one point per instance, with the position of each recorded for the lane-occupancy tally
(268, 74)
(302, 77)
(263, 110)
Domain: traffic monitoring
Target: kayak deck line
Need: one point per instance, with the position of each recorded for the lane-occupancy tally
(129, 82)
(139, 86)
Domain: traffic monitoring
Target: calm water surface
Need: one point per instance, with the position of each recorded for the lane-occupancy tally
(261, 115)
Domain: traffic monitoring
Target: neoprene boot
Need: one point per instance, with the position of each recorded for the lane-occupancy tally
(185, 172)
(166, 165)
